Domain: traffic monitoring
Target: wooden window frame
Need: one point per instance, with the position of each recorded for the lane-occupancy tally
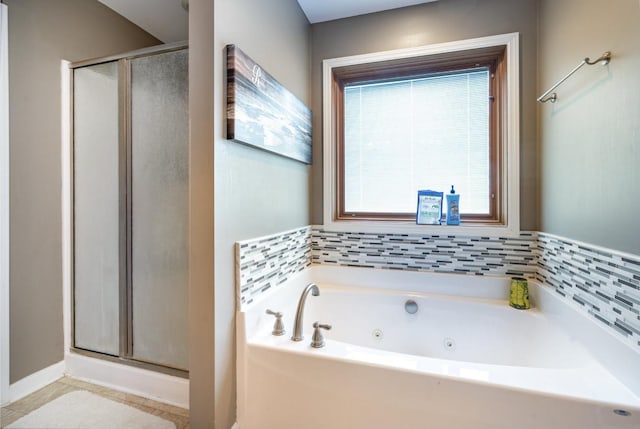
(508, 130)
(491, 58)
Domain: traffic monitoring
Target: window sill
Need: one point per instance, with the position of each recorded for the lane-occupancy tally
(387, 227)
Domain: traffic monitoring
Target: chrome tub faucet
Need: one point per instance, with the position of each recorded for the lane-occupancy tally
(297, 326)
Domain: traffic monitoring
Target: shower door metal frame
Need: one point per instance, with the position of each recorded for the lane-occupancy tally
(125, 271)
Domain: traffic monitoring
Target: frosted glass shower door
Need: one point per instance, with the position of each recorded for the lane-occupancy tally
(130, 202)
(159, 202)
(96, 209)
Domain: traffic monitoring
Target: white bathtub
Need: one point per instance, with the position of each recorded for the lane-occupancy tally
(465, 359)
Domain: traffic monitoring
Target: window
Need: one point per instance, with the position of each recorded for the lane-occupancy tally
(424, 118)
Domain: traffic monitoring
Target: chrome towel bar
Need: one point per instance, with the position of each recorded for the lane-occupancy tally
(604, 59)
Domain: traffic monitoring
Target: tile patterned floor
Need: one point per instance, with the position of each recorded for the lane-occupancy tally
(24, 406)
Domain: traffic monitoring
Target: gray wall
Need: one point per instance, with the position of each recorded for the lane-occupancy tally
(442, 21)
(590, 138)
(256, 193)
(41, 34)
(201, 304)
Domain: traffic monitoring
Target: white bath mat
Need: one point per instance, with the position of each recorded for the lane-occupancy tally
(84, 410)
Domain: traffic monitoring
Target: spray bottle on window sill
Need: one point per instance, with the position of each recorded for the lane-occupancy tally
(453, 208)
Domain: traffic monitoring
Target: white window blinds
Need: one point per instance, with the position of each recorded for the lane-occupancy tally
(417, 133)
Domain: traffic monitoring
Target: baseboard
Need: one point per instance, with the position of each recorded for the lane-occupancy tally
(35, 381)
(149, 384)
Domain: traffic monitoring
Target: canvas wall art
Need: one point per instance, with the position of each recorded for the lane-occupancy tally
(263, 113)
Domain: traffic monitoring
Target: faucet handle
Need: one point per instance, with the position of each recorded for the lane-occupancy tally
(317, 341)
(278, 326)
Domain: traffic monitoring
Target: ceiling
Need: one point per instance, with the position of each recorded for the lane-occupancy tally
(327, 10)
(168, 21)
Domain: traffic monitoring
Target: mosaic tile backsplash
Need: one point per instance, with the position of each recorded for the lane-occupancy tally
(266, 262)
(440, 253)
(602, 283)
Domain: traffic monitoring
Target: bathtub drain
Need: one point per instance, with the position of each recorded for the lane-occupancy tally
(377, 334)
